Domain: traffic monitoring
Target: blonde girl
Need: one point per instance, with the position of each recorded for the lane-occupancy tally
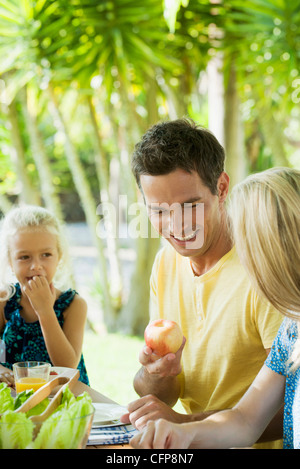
(265, 214)
(38, 321)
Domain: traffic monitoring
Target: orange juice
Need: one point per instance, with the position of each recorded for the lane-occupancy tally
(29, 383)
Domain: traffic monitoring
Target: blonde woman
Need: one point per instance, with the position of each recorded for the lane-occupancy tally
(265, 213)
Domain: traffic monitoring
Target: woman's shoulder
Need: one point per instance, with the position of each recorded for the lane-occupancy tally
(286, 337)
(289, 329)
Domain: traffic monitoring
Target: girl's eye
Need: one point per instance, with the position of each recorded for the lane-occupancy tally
(23, 258)
(47, 254)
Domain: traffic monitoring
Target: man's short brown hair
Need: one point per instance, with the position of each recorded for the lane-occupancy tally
(179, 144)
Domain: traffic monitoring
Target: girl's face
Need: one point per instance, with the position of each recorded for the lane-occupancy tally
(33, 253)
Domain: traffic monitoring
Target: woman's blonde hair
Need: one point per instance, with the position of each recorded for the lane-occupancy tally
(264, 212)
(23, 218)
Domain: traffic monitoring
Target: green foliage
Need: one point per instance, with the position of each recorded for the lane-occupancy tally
(88, 78)
(264, 35)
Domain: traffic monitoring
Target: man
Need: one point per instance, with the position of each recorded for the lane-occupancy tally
(197, 281)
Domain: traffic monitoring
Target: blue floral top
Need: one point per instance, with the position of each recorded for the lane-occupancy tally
(278, 361)
(24, 341)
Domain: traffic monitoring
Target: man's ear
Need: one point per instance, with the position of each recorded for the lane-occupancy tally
(223, 186)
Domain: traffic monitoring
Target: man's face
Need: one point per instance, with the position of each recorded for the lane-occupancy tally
(183, 210)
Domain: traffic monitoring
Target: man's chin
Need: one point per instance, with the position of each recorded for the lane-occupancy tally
(186, 248)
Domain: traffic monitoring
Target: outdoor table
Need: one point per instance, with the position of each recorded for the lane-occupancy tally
(79, 388)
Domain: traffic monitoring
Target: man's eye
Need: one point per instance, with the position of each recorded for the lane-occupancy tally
(159, 212)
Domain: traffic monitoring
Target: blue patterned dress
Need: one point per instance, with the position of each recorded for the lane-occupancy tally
(278, 361)
(24, 341)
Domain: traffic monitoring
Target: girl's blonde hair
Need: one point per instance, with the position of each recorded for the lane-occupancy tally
(28, 217)
(264, 211)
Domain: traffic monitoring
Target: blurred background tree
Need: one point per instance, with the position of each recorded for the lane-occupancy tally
(82, 80)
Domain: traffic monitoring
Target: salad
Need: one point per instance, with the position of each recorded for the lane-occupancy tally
(64, 429)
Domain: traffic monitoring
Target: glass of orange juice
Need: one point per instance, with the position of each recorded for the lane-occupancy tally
(30, 375)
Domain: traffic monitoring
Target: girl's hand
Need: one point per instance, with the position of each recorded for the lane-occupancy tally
(41, 295)
(6, 376)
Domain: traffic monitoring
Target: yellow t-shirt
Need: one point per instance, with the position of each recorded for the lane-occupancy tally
(226, 325)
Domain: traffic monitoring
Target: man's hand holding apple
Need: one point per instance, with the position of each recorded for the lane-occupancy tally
(161, 355)
(168, 365)
(160, 359)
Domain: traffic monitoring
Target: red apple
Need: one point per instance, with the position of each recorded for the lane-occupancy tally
(163, 336)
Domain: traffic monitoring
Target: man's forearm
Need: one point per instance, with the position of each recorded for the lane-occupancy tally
(167, 389)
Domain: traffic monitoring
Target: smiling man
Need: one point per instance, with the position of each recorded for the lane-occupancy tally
(197, 281)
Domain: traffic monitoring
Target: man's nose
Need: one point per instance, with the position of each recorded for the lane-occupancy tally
(176, 222)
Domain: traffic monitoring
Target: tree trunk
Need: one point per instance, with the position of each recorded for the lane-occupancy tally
(273, 135)
(233, 131)
(28, 194)
(89, 207)
(151, 97)
(135, 314)
(40, 157)
(109, 214)
(215, 94)
(5, 204)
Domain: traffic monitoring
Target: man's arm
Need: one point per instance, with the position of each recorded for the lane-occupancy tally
(158, 385)
(166, 389)
(159, 376)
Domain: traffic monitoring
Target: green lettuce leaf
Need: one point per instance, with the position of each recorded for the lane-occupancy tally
(39, 408)
(6, 400)
(82, 407)
(55, 433)
(65, 428)
(67, 399)
(16, 430)
(22, 397)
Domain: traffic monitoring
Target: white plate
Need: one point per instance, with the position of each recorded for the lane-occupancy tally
(58, 370)
(107, 414)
